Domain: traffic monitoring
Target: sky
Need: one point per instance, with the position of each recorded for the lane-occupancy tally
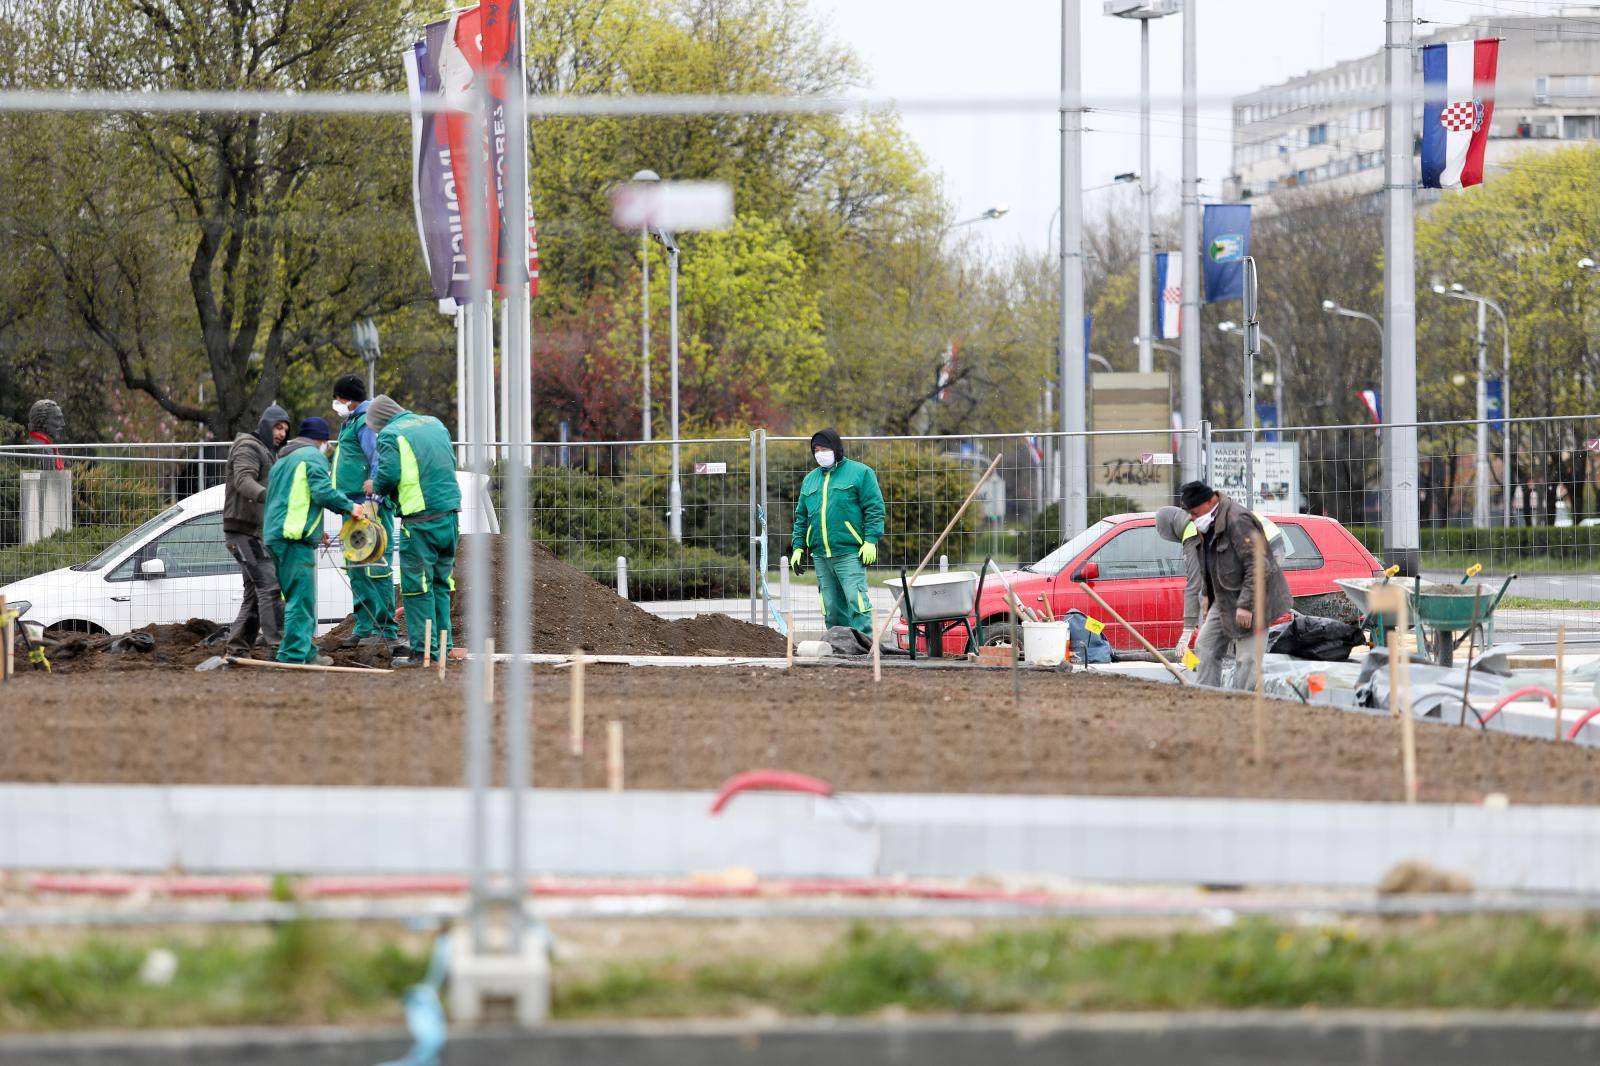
(1011, 48)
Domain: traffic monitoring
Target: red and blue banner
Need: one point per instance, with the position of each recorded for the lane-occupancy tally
(1169, 295)
(446, 66)
(1457, 110)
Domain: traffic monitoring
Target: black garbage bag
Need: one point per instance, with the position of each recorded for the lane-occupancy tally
(1305, 636)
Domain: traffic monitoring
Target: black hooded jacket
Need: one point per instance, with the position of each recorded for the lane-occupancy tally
(249, 459)
(829, 438)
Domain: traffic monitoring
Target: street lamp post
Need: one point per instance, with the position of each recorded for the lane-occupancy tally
(675, 487)
(1144, 11)
(1480, 500)
(644, 306)
(988, 215)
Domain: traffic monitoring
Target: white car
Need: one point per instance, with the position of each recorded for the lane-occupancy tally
(176, 567)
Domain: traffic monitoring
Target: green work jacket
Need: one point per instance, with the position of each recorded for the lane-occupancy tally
(417, 466)
(298, 489)
(840, 509)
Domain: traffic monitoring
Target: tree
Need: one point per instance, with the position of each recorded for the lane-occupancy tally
(271, 231)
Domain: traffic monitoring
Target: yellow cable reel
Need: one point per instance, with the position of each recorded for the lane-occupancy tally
(363, 541)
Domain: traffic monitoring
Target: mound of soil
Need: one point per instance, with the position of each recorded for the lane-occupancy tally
(570, 611)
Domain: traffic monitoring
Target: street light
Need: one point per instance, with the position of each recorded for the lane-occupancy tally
(1480, 498)
(989, 214)
(1267, 377)
(1339, 309)
(1144, 11)
(644, 309)
(1128, 178)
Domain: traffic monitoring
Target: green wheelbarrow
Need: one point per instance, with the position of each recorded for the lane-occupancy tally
(1445, 611)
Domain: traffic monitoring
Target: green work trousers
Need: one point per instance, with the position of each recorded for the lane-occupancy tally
(372, 589)
(842, 581)
(297, 581)
(427, 577)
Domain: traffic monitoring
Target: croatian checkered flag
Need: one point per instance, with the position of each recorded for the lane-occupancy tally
(1169, 295)
(1457, 110)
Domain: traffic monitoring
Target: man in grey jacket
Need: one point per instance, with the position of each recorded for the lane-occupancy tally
(243, 502)
(1228, 534)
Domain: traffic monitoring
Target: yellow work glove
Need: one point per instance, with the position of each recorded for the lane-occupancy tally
(869, 553)
(794, 560)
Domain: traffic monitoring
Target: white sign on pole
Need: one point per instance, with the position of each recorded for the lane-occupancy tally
(674, 206)
(1277, 474)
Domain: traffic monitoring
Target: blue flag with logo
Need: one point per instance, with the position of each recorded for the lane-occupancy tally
(1496, 409)
(1226, 242)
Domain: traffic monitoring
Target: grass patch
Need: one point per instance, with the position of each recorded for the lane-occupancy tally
(308, 973)
(1477, 963)
(296, 973)
(1539, 603)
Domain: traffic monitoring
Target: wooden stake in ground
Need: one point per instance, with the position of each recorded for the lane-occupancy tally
(1016, 639)
(1472, 647)
(576, 702)
(1561, 671)
(444, 649)
(788, 638)
(8, 636)
(1400, 685)
(427, 642)
(877, 657)
(1259, 620)
(614, 756)
(488, 653)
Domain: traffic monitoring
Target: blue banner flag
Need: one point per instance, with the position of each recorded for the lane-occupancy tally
(1226, 242)
(1267, 420)
(1496, 409)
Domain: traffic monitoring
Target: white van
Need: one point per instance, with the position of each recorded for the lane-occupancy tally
(176, 567)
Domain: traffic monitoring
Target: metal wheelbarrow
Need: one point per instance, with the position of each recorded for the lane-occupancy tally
(1438, 613)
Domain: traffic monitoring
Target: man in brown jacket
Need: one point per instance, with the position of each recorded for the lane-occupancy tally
(1228, 532)
(243, 502)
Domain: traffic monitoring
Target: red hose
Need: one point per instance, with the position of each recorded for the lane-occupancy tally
(1572, 734)
(1531, 690)
(768, 780)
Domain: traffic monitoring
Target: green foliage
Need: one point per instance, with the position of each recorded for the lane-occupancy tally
(66, 548)
(588, 520)
(1481, 963)
(298, 973)
(1522, 545)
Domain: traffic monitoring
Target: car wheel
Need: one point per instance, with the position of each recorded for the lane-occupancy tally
(72, 626)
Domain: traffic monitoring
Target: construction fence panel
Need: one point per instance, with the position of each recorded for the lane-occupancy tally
(1544, 538)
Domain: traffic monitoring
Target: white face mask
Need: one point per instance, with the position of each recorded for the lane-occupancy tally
(343, 409)
(824, 457)
(1203, 523)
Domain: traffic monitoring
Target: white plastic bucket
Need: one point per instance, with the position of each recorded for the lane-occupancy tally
(1044, 643)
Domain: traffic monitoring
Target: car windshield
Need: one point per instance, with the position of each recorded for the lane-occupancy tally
(128, 540)
(1051, 564)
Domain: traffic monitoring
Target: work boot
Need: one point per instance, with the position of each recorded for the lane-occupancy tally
(372, 641)
(323, 660)
(352, 641)
(403, 662)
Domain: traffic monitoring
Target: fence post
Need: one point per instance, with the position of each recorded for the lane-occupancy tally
(766, 608)
(1205, 450)
(755, 530)
(622, 576)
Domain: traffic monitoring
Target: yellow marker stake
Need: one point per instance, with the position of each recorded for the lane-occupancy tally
(1191, 661)
(1094, 625)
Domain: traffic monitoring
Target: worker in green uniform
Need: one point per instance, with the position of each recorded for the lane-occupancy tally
(417, 471)
(355, 467)
(298, 489)
(839, 518)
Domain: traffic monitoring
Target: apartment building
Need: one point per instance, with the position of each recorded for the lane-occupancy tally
(1324, 129)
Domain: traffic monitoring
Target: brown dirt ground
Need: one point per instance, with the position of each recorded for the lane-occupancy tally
(920, 730)
(570, 611)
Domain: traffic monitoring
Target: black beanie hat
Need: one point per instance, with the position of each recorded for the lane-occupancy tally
(1194, 494)
(350, 387)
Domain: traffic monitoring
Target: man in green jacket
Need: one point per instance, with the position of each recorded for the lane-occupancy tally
(839, 518)
(417, 471)
(298, 489)
(355, 466)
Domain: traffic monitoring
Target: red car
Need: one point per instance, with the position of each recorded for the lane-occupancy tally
(1141, 576)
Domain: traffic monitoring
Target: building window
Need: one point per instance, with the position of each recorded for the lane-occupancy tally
(1541, 90)
(1580, 127)
(1317, 134)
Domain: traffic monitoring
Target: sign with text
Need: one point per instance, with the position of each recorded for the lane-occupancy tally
(1277, 474)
